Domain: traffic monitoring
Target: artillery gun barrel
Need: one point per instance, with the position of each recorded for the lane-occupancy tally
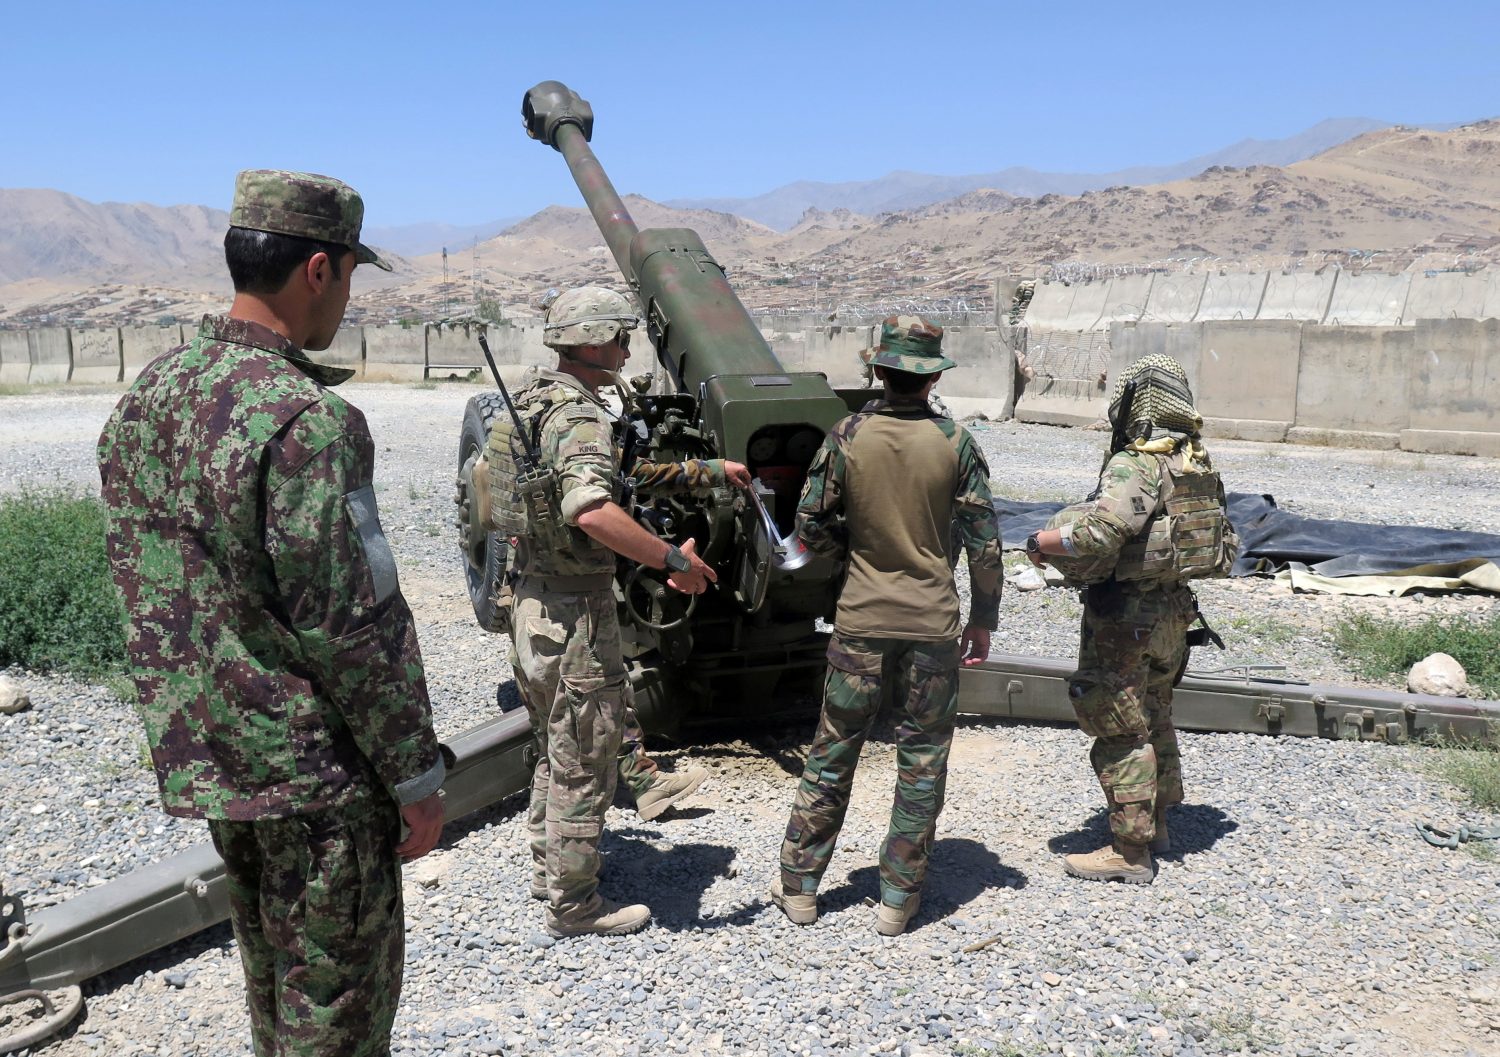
(699, 327)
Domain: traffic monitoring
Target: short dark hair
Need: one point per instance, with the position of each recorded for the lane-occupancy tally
(260, 262)
(904, 383)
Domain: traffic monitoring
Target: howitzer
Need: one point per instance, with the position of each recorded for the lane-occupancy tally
(721, 393)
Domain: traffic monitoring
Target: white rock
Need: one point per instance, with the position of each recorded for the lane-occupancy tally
(12, 698)
(1438, 674)
(1029, 580)
(431, 869)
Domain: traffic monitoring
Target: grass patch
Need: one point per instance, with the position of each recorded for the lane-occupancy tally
(1381, 647)
(1473, 767)
(13, 390)
(1276, 632)
(58, 606)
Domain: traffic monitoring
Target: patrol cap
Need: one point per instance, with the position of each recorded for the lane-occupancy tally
(303, 204)
(911, 344)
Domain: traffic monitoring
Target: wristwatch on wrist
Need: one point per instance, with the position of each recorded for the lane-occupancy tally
(1033, 545)
(676, 561)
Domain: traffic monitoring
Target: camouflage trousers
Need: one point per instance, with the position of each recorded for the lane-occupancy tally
(921, 679)
(315, 904)
(637, 770)
(1132, 652)
(572, 678)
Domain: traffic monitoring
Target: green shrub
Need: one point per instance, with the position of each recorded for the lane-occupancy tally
(58, 606)
(1385, 647)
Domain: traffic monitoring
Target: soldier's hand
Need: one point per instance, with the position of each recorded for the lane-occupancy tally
(974, 646)
(737, 474)
(695, 580)
(1037, 558)
(425, 820)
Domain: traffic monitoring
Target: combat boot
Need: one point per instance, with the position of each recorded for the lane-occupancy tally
(800, 909)
(608, 919)
(892, 921)
(667, 789)
(1162, 842)
(1130, 863)
(538, 884)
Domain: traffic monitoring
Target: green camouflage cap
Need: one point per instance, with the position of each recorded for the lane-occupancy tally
(911, 344)
(303, 204)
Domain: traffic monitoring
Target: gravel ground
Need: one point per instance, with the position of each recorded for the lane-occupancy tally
(1299, 915)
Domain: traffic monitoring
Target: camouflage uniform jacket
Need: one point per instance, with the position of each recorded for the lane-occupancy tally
(275, 661)
(575, 436)
(886, 491)
(1129, 495)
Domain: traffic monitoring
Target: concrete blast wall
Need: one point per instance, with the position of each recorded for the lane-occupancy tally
(1352, 386)
(1453, 390)
(1174, 298)
(347, 351)
(1491, 308)
(1298, 295)
(15, 357)
(1126, 300)
(1368, 299)
(1446, 295)
(1247, 377)
(1234, 296)
(1088, 304)
(96, 354)
(140, 345)
(395, 354)
(51, 356)
(1049, 306)
(983, 383)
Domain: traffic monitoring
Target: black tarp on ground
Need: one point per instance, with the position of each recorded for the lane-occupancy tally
(1270, 538)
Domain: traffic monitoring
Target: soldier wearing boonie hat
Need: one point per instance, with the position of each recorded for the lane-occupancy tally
(898, 618)
(275, 662)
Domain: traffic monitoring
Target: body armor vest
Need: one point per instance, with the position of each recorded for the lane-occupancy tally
(1189, 537)
(525, 502)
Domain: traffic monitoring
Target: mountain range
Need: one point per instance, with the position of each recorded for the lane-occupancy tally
(1390, 198)
(783, 207)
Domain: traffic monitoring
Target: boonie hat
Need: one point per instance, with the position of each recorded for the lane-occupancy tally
(911, 344)
(303, 204)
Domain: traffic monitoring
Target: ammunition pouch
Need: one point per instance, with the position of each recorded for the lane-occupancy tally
(525, 500)
(1189, 537)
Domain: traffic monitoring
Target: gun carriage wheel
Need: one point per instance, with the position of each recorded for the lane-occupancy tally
(484, 549)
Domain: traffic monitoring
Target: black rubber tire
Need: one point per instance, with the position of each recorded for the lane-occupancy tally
(485, 562)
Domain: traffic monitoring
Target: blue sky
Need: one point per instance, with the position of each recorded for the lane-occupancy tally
(418, 105)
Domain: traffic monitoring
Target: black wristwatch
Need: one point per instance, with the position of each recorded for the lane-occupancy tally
(676, 561)
(1033, 545)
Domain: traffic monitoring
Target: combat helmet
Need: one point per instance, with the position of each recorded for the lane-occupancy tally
(588, 315)
(1079, 570)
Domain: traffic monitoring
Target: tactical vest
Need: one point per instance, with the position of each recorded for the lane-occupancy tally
(525, 502)
(1189, 537)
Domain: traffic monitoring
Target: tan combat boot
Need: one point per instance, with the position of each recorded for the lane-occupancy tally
(608, 919)
(667, 789)
(538, 883)
(1130, 863)
(800, 909)
(892, 921)
(1162, 842)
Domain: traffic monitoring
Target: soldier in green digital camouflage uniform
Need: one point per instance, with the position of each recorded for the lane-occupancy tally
(569, 537)
(276, 663)
(1155, 522)
(897, 627)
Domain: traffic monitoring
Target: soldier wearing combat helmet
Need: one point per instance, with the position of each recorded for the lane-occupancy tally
(276, 663)
(898, 619)
(570, 532)
(1155, 522)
